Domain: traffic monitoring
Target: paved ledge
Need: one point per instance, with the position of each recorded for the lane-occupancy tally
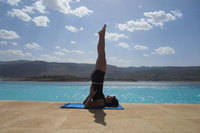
(47, 117)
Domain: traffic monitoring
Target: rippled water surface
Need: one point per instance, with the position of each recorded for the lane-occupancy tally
(126, 92)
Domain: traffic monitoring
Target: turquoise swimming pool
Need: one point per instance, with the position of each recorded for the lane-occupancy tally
(126, 92)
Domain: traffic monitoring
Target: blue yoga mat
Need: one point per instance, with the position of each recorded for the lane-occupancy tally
(81, 106)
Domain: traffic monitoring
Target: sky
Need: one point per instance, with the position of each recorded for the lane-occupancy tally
(139, 32)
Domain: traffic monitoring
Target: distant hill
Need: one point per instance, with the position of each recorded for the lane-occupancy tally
(38, 69)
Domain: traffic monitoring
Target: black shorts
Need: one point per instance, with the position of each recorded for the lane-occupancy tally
(98, 76)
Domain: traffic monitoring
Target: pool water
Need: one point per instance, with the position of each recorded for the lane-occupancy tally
(126, 92)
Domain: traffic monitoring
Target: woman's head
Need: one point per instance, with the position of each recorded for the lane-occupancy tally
(111, 101)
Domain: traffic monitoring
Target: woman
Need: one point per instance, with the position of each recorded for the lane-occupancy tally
(96, 97)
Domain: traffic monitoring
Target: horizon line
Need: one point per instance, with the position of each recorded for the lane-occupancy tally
(107, 64)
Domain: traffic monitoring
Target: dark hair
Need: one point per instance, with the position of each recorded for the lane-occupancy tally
(114, 103)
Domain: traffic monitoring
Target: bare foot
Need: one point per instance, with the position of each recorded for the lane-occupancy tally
(103, 31)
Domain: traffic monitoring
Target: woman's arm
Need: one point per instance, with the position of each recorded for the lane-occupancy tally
(86, 99)
(90, 103)
(97, 103)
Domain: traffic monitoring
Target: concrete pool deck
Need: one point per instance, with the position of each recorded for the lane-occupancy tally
(47, 117)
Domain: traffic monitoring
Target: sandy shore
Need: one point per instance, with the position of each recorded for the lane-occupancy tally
(47, 117)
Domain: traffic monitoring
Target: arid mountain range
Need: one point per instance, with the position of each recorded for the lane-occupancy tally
(34, 70)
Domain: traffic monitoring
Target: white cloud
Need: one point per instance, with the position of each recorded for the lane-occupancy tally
(114, 36)
(140, 47)
(3, 43)
(74, 1)
(158, 18)
(13, 2)
(46, 57)
(88, 61)
(51, 58)
(78, 51)
(73, 42)
(59, 53)
(38, 5)
(135, 25)
(164, 50)
(81, 11)
(58, 47)
(41, 21)
(123, 45)
(6, 43)
(60, 5)
(71, 28)
(12, 52)
(5, 34)
(145, 55)
(14, 43)
(119, 62)
(28, 9)
(140, 6)
(69, 51)
(20, 14)
(95, 34)
(65, 50)
(91, 52)
(28, 54)
(177, 13)
(33, 46)
(81, 29)
(64, 7)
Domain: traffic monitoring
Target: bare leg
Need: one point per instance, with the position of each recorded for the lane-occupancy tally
(101, 60)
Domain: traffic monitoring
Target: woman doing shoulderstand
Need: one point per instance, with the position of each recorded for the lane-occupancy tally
(96, 97)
